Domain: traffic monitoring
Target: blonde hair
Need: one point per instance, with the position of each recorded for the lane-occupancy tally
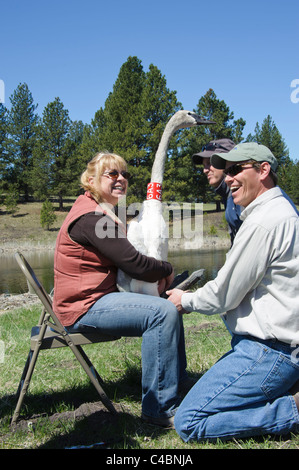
(97, 166)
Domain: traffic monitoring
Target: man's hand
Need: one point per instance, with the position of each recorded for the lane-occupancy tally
(175, 296)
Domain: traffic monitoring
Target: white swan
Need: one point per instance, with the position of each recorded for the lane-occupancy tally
(148, 232)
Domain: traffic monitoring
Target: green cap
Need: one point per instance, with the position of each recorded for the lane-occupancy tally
(243, 152)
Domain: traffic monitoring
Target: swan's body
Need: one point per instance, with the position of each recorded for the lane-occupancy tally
(148, 233)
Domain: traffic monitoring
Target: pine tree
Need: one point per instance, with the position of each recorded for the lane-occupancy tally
(22, 123)
(158, 104)
(11, 199)
(56, 164)
(183, 181)
(269, 135)
(132, 122)
(47, 215)
(294, 187)
(124, 122)
(4, 163)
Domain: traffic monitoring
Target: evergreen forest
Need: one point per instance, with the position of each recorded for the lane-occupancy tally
(43, 156)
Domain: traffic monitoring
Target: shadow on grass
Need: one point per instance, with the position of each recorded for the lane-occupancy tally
(75, 417)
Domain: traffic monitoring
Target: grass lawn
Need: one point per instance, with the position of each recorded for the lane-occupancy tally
(24, 230)
(62, 408)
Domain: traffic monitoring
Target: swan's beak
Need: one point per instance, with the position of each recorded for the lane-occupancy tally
(201, 121)
(204, 121)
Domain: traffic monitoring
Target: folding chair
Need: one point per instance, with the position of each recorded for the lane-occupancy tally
(50, 334)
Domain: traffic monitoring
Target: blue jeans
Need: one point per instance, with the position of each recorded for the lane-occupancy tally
(163, 345)
(244, 394)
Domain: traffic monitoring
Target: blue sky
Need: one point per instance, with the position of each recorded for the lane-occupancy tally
(246, 51)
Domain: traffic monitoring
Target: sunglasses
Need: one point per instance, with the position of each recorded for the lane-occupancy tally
(237, 168)
(114, 174)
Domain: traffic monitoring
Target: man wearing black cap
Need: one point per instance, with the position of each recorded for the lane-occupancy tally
(216, 180)
(254, 388)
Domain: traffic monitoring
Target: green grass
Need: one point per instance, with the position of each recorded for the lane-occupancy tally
(59, 387)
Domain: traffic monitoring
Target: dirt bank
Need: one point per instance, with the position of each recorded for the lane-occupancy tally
(11, 302)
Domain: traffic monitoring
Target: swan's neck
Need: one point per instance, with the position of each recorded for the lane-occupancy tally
(159, 163)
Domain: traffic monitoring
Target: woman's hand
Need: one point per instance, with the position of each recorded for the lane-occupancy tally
(165, 283)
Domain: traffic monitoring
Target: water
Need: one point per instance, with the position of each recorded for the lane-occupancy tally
(211, 261)
(13, 281)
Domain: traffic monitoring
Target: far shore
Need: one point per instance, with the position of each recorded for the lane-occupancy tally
(22, 231)
(174, 244)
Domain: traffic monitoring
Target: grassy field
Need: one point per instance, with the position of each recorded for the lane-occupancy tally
(24, 228)
(62, 408)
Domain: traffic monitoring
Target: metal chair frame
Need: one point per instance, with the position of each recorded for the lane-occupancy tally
(51, 334)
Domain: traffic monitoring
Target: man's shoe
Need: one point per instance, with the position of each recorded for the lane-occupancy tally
(167, 422)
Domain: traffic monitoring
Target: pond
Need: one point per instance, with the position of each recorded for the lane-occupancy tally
(12, 279)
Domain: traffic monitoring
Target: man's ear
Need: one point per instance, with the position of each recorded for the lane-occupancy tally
(265, 169)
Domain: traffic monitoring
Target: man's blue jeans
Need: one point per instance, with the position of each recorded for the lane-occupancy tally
(244, 394)
(163, 345)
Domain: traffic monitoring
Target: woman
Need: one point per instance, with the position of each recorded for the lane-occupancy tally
(90, 247)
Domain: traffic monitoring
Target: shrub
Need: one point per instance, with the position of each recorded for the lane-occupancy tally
(47, 215)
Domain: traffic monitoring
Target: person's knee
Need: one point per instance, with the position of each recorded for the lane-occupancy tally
(167, 311)
(189, 422)
(181, 424)
(171, 317)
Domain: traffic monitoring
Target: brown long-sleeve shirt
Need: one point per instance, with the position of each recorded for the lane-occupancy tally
(119, 250)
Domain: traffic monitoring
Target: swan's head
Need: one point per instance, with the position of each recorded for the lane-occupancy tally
(184, 118)
(181, 119)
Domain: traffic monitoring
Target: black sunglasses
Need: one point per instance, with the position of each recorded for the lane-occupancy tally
(237, 168)
(114, 174)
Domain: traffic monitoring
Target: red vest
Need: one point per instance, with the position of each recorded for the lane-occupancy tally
(81, 274)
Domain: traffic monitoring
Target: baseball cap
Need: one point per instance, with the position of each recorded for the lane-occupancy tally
(220, 145)
(243, 152)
